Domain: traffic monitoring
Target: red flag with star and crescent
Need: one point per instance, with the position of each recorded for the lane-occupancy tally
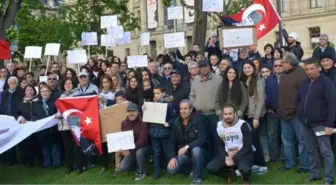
(82, 116)
(261, 13)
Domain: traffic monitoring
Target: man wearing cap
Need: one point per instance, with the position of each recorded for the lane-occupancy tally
(85, 88)
(294, 45)
(203, 97)
(180, 89)
(327, 64)
(324, 47)
(139, 155)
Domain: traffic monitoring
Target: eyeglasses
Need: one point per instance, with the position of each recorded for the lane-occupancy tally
(167, 68)
(277, 65)
(3, 71)
(264, 72)
(52, 79)
(81, 77)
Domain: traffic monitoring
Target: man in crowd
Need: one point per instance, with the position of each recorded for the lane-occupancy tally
(316, 111)
(214, 64)
(271, 90)
(53, 84)
(193, 71)
(85, 87)
(290, 124)
(178, 65)
(42, 70)
(242, 56)
(30, 78)
(327, 64)
(294, 45)
(55, 68)
(196, 47)
(324, 47)
(10, 68)
(20, 72)
(138, 156)
(212, 46)
(180, 89)
(152, 67)
(203, 97)
(189, 137)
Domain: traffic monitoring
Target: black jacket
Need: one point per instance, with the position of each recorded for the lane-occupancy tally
(16, 99)
(25, 109)
(134, 95)
(330, 73)
(329, 49)
(296, 49)
(180, 93)
(193, 135)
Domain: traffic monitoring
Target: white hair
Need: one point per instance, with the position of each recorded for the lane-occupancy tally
(15, 79)
(192, 64)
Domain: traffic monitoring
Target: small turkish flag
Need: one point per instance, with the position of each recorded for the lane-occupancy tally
(82, 115)
(4, 50)
(261, 14)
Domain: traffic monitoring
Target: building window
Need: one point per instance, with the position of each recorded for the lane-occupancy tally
(284, 5)
(127, 52)
(169, 23)
(315, 3)
(314, 34)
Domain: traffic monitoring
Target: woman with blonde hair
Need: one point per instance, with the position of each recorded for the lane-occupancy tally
(107, 91)
(117, 83)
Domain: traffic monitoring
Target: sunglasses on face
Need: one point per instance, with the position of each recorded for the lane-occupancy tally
(167, 68)
(82, 77)
(52, 79)
(277, 65)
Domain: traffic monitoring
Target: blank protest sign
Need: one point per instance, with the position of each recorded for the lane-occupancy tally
(175, 12)
(52, 49)
(108, 21)
(238, 37)
(120, 141)
(137, 61)
(155, 112)
(33, 52)
(174, 40)
(77, 56)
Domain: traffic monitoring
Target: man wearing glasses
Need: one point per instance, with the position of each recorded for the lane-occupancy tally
(273, 120)
(52, 83)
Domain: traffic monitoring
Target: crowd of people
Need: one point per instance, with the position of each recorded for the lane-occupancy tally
(229, 118)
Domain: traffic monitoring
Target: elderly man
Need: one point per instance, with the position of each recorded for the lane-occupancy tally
(10, 99)
(138, 156)
(193, 71)
(85, 87)
(188, 137)
(152, 67)
(290, 124)
(203, 95)
(316, 110)
(324, 47)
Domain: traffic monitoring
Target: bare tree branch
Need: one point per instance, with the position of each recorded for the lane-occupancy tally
(184, 4)
(12, 9)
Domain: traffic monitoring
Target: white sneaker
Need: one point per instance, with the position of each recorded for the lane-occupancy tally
(262, 170)
(238, 173)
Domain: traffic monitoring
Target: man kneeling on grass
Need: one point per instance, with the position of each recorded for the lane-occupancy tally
(235, 147)
(140, 155)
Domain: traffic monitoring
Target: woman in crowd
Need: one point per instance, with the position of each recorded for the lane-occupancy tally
(70, 73)
(268, 59)
(3, 78)
(232, 91)
(28, 148)
(146, 75)
(49, 139)
(73, 153)
(117, 83)
(257, 64)
(147, 93)
(23, 83)
(133, 91)
(223, 64)
(107, 92)
(255, 110)
(266, 71)
(103, 66)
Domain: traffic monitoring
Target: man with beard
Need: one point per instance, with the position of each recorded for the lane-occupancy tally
(180, 89)
(294, 45)
(235, 147)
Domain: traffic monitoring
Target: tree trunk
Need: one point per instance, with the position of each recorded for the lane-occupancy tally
(200, 25)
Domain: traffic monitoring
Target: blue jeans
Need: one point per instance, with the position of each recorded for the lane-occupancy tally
(194, 163)
(273, 121)
(159, 146)
(210, 122)
(289, 131)
(55, 152)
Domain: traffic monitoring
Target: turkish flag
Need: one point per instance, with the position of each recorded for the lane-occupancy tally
(261, 14)
(4, 50)
(82, 115)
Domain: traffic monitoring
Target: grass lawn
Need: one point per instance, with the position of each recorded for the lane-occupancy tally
(22, 175)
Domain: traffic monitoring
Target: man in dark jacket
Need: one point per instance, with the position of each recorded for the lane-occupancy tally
(212, 47)
(327, 64)
(324, 47)
(271, 90)
(294, 45)
(152, 67)
(290, 124)
(53, 84)
(180, 89)
(316, 110)
(188, 138)
(242, 56)
(140, 154)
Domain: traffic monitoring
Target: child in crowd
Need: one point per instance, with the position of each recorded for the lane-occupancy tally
(266, 71)
(160, 133)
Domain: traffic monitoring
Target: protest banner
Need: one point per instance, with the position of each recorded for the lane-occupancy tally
(32, 52)
(175, 12)
(137, 61)
(144, 39)
(111, 119)
(238, 37)
(120, 141)
(213, 5)
(108, 21)
(155, 112)
(174, 40)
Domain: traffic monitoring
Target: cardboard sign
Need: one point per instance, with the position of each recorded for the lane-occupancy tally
(89, 39)
(107, 40)
(33, 52)
(213, 5)
(155, 112)
(144, 39)
(120, 141)
(238, 37)
(108, 21)
(111, 119)
(174, 40)
(52, 49)
(77, 56)
(175, 12)
(137, 61)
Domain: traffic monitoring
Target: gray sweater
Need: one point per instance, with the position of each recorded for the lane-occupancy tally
(256, 105)
(203, 94)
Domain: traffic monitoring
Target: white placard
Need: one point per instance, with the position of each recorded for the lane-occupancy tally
(234, 54)
(189, 14)
(77, 56)
(108, 21)
(107, 40)
(137, 61)
(116, 31)
(89, 39)
(213, 5)
(120, 141)
(155, 112)
(33, 52)
(174, 40)
(238, 37)
(152, 14)
(127, 39)
(52, 49)
(43, 79)
(175, 12)
(144, 39)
